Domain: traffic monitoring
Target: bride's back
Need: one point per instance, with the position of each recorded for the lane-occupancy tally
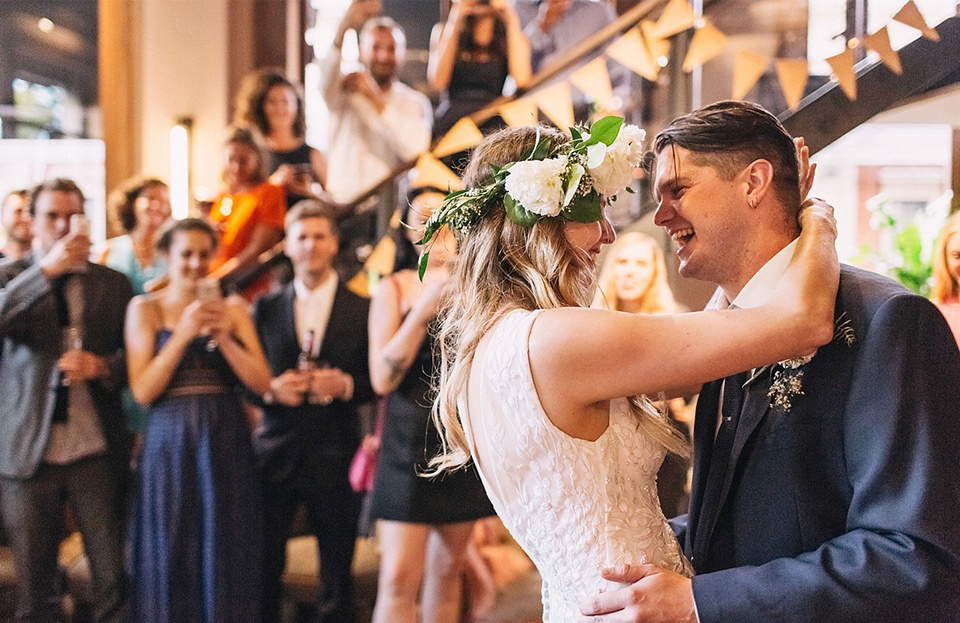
(573, 505)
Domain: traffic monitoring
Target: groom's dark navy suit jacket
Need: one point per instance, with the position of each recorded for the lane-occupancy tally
(846, 507)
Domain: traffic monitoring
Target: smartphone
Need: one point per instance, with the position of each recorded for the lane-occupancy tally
(80, 225)
(208, 290)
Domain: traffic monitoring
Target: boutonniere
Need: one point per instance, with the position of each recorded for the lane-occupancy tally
(788, 374)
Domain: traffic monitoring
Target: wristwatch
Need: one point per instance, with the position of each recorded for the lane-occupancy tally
(269, 398)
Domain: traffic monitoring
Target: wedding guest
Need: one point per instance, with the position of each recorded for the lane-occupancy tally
(62, 435)
(195, 523)
(314, 334)
(547, 396)
(249, 212)
(824, 486)
(634, 280)
(946, 274)
(273, 105)
(142, 206)
(17, 224)
(376, 121)
(424, 525)
(472, 55)
(554, 27)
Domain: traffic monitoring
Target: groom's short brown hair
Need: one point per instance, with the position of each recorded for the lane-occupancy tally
(730, 135)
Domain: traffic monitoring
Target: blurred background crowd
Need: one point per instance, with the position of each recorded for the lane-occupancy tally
(178, 433)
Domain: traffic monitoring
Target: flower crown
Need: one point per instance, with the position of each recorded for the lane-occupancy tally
(598, 162)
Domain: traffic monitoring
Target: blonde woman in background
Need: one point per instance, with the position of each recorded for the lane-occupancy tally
(634, 278)
(946, 274)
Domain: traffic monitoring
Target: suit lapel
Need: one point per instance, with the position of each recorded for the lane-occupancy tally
(289, 341)
(705, 426)
(338, 316)
(756, 405)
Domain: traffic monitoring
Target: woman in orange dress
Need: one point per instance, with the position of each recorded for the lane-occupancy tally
(249, 212)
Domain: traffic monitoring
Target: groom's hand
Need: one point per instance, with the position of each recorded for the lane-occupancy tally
(653, 595)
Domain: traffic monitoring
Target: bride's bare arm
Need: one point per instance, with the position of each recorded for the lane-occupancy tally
(583, 357)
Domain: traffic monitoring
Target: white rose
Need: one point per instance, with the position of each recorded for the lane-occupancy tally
(612, 167)
(537, 185)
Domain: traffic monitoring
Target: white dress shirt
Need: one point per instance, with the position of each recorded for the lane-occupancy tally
(311, 312)
(366, 145)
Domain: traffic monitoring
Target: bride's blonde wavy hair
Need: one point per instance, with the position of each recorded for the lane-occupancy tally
(502, 266)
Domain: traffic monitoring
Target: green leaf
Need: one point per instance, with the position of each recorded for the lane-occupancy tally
(422, 264)
(605, 131)
(575, 134)
(584, 208)
(542, 150)
(517, 213)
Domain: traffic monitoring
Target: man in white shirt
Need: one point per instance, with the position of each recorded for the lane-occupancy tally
(826, 492)
(314, 334)
(376, 122)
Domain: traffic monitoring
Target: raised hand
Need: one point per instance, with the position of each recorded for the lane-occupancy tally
(69, 252)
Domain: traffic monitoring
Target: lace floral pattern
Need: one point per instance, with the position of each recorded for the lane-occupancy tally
(573, 505)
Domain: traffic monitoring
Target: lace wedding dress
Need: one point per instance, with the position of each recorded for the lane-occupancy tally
(573, 505)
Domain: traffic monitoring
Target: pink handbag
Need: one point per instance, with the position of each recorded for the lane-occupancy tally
(363, 466)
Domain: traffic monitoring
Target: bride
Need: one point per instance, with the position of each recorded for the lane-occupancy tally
(547, 395)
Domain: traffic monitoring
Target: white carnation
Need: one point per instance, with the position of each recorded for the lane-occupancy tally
(537, 185)
(615, 171)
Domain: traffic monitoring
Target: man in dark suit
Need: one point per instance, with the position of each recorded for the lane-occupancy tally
(62, 432)
(825, 489)
(314, 333)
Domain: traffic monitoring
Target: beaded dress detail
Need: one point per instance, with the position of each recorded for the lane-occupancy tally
(573, 505)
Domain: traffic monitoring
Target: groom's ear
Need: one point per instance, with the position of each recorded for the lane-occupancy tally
(758, 180)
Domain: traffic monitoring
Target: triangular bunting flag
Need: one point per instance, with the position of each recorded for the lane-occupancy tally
(879, 42)
(842, 66)
(594, 80)
(556, 104)
(519, 112)
(910, 15)
(463, 135)
(707, 42)
(382, 258)
(431, 172)
(747, 69)
(793, 79)
(657, 46)
(676, 17)
(632, 52)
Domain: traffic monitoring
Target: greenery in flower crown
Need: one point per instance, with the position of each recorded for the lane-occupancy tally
(597, 162)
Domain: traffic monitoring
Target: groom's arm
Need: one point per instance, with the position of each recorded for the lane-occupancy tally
(900, 557)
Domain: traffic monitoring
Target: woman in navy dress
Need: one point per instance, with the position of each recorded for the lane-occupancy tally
(195, 523)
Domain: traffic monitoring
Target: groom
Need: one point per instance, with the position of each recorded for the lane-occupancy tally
(823, 493)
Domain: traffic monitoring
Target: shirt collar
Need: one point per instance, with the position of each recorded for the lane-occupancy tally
(326, 288)
(758, 290)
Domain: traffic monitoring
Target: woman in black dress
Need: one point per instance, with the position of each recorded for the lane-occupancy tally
(273, 106)
(424, 523)
(472, 55)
